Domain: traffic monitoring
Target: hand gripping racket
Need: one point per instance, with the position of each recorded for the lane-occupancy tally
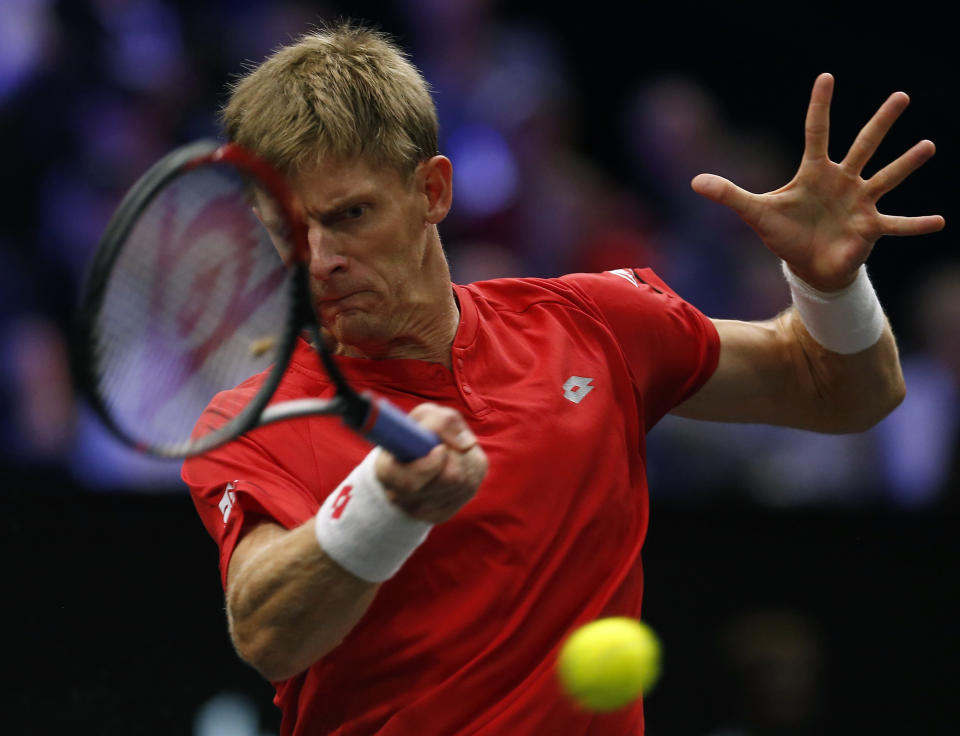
(189, 296)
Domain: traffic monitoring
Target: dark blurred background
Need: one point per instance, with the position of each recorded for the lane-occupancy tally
(802, 584)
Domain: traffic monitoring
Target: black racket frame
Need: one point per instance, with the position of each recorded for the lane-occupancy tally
(354, 408)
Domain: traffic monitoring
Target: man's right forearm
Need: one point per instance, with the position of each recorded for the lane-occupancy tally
(288, 604)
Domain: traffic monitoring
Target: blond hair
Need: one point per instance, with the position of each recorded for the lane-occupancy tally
(344, 92)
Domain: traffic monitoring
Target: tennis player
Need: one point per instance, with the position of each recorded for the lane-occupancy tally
(431, 598)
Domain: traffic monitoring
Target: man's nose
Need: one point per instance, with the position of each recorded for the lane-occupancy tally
(325, 256)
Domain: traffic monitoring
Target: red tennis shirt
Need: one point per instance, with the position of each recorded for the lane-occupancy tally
(560, 379)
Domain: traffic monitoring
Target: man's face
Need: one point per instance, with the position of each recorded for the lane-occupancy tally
(369, 242)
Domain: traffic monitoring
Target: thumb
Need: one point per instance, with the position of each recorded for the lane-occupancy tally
(722, 191)
(448, 424)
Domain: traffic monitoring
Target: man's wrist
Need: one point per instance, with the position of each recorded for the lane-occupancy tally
(846, 321)
(360, 529)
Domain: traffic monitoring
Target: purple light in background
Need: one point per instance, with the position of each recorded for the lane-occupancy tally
(101, 462)
(24, 30)
(75, 215)
(113, 131)
(146, 48)
(526, 78)
(485, 176)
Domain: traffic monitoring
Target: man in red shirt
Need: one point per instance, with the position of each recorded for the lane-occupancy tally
(431, 597)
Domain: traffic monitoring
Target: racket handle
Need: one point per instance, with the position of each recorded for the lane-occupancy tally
(396, 432)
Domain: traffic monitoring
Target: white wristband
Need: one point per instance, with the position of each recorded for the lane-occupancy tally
(360, 529)
(845, 321)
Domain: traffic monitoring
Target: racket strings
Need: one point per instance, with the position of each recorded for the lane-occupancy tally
(195, 304)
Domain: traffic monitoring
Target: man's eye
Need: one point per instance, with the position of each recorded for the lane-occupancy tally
(347, 214)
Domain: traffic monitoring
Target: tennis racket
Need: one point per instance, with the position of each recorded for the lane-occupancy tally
(188, 296)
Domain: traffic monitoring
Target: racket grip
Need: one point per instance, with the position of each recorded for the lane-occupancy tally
(397, 433)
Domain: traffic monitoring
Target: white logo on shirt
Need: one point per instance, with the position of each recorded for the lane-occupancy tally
(227, 500)
(627, 274)
(576, 388)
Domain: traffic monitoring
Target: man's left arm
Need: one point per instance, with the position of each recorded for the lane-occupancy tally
(830, 362)
(774, 372)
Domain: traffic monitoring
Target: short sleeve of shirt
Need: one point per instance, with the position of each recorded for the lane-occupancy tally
(243, 483)
(670, 346)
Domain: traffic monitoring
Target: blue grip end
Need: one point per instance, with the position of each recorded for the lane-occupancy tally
(397, 433)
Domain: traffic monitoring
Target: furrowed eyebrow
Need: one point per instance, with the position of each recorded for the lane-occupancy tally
(338, 209)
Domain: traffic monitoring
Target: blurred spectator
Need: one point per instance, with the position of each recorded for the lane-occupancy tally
(39, 408)
(771, 664)
(509, 121)
(756, 464)
(673, 129)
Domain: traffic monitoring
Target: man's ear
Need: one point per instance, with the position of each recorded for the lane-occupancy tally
(435, 177)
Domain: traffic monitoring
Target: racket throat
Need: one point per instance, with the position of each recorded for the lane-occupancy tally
(365, 412)
(359, 413)
(354, 408)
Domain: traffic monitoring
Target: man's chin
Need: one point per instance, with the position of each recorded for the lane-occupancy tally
(352, 329)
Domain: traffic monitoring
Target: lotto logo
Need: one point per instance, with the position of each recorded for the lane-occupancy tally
(626, 274)
(576, 388)
(227, 501)
(340, 502)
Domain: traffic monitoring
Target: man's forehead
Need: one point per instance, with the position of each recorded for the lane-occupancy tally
(329, 181)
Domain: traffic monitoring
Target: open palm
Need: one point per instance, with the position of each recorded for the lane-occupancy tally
(825, 221)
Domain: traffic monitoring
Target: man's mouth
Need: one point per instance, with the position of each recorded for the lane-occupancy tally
(336, 297)
(338, 301)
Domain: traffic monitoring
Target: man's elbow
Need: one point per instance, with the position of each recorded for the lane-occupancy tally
(265, 653)
(898, 392)
(265, 649)
(871, 412)
(259, 653)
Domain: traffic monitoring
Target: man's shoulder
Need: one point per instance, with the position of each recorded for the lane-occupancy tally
(581, 290)
(241, 394)
(302, 371)
(229, 402)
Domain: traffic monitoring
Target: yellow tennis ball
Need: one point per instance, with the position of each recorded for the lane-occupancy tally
(607, 664)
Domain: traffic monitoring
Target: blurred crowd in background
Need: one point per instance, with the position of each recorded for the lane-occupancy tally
(94, 91)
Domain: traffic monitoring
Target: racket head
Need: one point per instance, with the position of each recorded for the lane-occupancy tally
(187, 297)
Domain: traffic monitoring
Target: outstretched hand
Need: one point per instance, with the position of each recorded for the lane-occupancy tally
(825, 221)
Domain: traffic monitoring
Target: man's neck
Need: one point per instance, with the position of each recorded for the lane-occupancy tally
(430, 339)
